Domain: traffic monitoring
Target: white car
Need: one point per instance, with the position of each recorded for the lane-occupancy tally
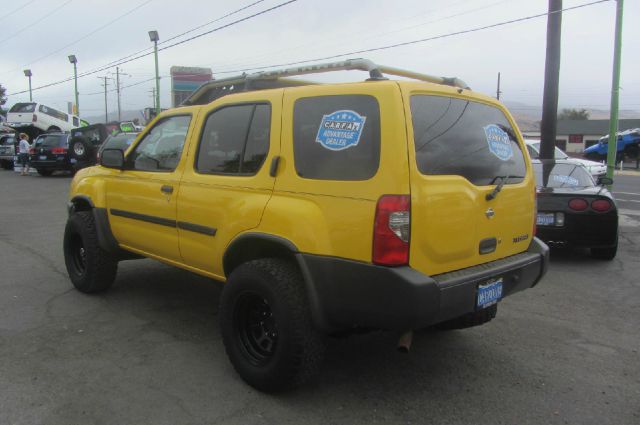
(596, 169)
(40, 117)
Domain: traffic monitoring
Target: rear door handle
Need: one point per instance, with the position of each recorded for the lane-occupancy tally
(167, 189)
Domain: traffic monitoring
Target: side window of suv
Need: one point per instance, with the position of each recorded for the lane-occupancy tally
(235, 140)
(336, 137)
(161, 148)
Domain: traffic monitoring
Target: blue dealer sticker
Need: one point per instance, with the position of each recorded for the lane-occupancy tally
(340, 130)
(499, 142)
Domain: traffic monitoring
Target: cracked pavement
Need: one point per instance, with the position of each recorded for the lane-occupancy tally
(149, 351)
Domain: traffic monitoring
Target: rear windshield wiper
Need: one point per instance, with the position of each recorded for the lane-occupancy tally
(498, 188)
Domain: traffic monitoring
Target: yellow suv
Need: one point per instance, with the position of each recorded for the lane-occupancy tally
(324, 207)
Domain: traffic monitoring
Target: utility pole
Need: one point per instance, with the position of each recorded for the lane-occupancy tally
(106, 110)
(551, 81)
(118, 91)
(498, 92)
(615, 92)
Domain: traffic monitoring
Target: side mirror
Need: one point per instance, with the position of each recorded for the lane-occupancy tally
(605, 181)
(112, 158)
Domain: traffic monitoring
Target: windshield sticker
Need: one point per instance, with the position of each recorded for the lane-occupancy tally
(568, 180)
(499, 142)
(340, 130)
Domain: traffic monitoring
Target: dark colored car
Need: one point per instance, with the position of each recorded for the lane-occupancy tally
(120, 141)
(7, 150)
(87, 141)
(574, 210)
(49, 153)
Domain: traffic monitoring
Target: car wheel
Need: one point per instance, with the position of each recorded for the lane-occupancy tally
(469, 320)
(605, 253)
(90, 268)
(44, 173)
(266, 326)
(81, 148)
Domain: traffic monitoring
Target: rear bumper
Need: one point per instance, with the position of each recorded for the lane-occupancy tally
(50, 164)
(583, 230)
(346, 294)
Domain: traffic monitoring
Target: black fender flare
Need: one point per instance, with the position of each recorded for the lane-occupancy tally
(318, 315)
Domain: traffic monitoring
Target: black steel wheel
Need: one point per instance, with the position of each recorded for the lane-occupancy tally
(256, 328)
(266, 325)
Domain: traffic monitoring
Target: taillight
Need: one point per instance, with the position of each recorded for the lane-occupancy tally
(58, 150)
(601, 205)
(391, 230)
(32, 151)
(578, 204)
(34, 118)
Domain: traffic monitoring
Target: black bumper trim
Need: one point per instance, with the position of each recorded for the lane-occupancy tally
(346, 294)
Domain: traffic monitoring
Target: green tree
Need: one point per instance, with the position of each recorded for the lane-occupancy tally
(574, 114)
(3, 99)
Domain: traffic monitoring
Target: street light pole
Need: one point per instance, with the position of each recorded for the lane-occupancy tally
(27, 73)
(153, 36)
(74, 61)
(615, 92)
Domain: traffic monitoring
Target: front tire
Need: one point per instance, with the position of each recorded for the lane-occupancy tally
(90, 268)
(44, 173)
(266, 326)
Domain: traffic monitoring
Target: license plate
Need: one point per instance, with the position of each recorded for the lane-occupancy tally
(489, 293)
(545, 219)
(42, 157)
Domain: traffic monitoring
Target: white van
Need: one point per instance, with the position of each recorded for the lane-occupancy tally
(41, 118)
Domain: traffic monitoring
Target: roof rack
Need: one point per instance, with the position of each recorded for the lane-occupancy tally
(276, 79)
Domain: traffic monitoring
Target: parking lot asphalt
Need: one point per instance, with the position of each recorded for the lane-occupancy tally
(149, 351)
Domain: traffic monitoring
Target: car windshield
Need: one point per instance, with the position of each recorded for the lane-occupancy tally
(51, 141)
(23, 107)
(558, 154)
(553, 175)
(120, 141)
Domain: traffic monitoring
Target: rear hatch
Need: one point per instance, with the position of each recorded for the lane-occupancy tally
(50, 148)
(472, 192)
(21, 113)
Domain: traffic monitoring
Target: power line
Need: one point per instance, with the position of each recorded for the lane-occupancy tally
(391, 46)
(111, 65)
(92, 32)
(46, 15)
(407, 43)
(181, 34)
(19, 8)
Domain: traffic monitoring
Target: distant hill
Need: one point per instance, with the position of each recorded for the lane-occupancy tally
(113, 116)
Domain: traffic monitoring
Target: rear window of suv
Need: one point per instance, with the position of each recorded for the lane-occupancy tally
(469, 139)
(52, 141)
(23, 107)
(336, 137)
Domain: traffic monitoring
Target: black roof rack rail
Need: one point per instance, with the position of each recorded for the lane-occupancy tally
(215, 89)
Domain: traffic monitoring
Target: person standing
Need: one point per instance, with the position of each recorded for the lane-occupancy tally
(23, 153)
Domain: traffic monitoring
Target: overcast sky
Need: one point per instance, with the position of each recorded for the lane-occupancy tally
(40, 34)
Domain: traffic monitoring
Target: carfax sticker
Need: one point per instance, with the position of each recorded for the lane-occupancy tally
(568, 180)
(340, 130)
(499, 142)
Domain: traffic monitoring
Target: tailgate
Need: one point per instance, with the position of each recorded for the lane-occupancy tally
(462, 151)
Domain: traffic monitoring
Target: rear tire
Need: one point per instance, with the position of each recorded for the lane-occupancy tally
(90, 268)
(7, 165)
(266, 326)
(44, 173)
(470, 320)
